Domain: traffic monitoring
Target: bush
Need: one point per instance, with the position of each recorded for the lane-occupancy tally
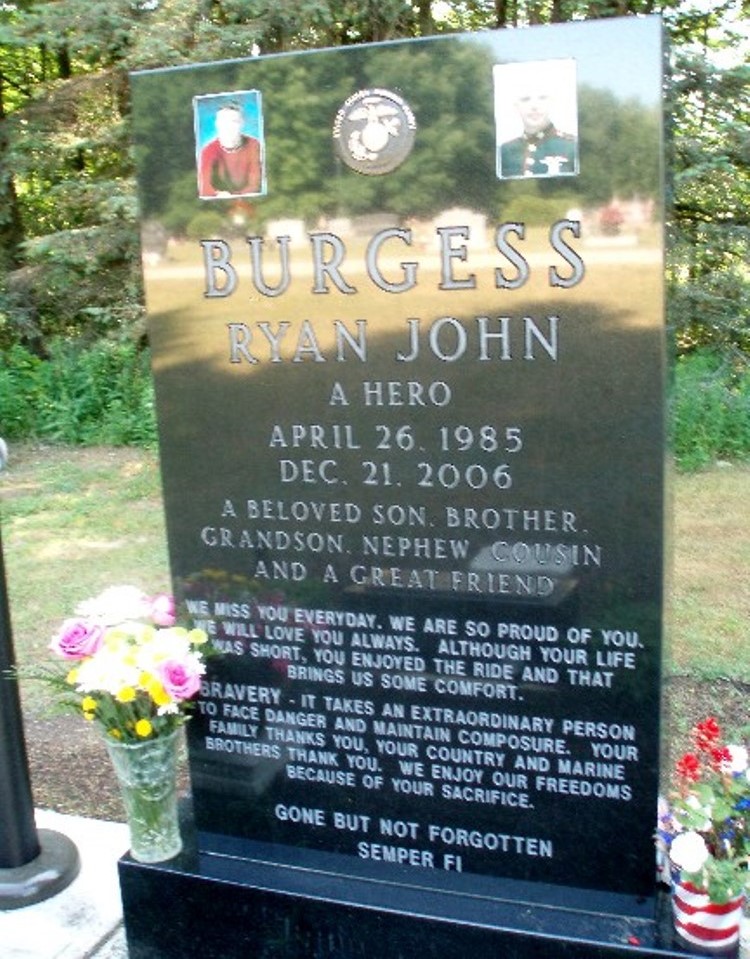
(20, 385)
(101, 394)
(710, 409)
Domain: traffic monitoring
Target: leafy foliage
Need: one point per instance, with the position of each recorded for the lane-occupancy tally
(101, 394)
(710, 409)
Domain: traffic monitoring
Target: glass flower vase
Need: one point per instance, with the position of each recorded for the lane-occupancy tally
(147, 776)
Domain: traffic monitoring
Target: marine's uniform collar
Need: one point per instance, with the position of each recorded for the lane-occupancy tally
(536, 138)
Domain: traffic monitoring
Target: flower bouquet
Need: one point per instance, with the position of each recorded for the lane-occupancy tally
(134, 673)
(707, 832)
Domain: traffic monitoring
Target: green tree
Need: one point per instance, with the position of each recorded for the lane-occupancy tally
(19, 70)
(709, 282)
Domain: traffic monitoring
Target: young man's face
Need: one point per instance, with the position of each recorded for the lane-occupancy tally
(229, 127)
(534, 108)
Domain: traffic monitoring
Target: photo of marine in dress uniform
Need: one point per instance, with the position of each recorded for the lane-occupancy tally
(229, 145)
(536, 119)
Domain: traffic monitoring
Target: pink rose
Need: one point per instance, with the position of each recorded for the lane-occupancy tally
(179, 679)
(77, 639)
(162, 610)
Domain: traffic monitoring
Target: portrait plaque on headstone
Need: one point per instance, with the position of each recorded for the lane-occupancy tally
(408, 345)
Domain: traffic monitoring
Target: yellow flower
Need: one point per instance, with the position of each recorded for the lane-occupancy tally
(114, 638)
(144, 634)
(197, 637)
(143, 728)
(88, 705)
(125, 695)
(115, 733)
(155, 689)
(72, 677)
(159, 694)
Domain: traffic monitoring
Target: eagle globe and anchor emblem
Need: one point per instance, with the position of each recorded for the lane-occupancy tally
(374, 131)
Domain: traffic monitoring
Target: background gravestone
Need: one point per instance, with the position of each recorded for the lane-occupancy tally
(409, 365)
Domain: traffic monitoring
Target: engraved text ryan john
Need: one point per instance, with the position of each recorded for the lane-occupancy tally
(447, 338)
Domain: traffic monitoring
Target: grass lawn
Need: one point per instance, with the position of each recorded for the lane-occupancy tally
(711, 596)
(75, 520)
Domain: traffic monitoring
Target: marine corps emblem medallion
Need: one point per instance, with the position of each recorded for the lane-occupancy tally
(374, 131)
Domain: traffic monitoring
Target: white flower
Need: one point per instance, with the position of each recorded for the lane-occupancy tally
(170, 709)
(738, 760)
(116, 604)
(689, 851)
(106, 672)
(163, 645)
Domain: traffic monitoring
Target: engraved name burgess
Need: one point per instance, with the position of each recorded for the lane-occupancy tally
(328, 254)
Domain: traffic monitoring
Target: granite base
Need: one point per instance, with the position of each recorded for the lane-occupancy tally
(226, 907)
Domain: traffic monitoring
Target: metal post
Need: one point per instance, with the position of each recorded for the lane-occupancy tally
(18, 839)
(34, 865)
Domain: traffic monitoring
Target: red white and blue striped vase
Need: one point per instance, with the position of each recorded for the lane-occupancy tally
(703, 927)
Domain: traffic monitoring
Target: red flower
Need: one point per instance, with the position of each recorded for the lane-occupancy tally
(706, 735)
(720, 755)
(689, 768)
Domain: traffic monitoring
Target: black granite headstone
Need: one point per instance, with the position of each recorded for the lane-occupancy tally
(408, 346)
